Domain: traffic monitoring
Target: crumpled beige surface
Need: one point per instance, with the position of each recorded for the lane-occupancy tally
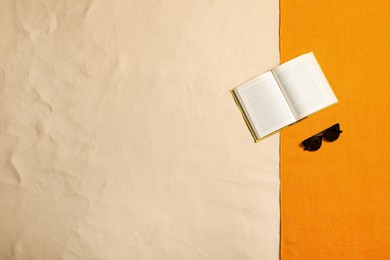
(119, 138)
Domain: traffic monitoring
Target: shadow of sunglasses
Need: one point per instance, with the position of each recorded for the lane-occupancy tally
(330, 134)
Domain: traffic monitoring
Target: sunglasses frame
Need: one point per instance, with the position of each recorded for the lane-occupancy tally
(320, 135)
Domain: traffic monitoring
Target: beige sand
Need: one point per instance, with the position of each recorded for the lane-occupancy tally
(118, 135)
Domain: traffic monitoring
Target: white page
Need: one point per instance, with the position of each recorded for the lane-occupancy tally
(265, 104)
(304, 85)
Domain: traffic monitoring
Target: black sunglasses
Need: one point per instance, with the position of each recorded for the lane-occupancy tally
(330, 134)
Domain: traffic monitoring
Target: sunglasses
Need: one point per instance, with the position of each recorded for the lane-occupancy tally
(330, 134)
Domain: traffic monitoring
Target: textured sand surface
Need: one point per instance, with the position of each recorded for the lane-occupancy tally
(119, 138)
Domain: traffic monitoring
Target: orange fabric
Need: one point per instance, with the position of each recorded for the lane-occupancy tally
(335, 203)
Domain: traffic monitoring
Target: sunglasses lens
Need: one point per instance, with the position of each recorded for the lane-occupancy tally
(313, 143)
(331, 135)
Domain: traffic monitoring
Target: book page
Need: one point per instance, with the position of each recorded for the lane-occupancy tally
(304, 85)
(265, 105)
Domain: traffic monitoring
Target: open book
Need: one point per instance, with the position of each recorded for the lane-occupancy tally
(283, 96)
